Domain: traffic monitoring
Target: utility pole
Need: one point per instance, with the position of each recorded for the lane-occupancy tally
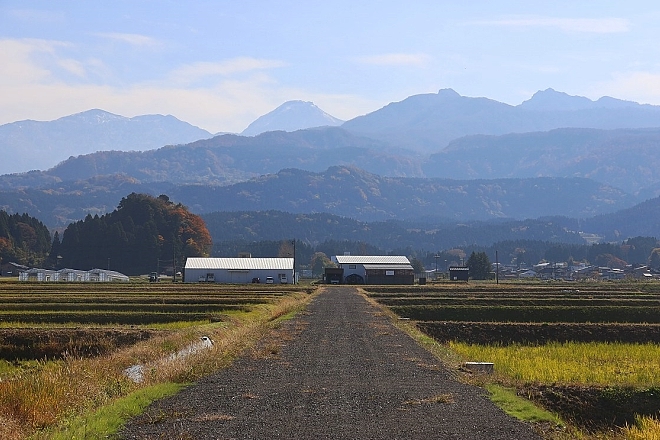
(294, 261)
(436, 265)
(173, 261)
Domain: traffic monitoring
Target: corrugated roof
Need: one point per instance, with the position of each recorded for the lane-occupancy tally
(239, 263)
(371, 259)
(388, 266)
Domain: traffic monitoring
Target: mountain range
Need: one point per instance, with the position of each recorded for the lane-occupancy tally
(623, 158)
(428, 122)
(443, 157)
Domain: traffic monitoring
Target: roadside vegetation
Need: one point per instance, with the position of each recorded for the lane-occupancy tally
(81, 388)
(594, 378)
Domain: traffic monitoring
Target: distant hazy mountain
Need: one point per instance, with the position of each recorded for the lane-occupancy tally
(354, 193)
(640, 220)
(292, 116)
(35, 145)
(552, 100)
(429, 122)
(343, 191)
(230, 158)
(625, 158)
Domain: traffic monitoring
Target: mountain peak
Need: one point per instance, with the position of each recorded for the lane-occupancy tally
(550, 99)
(448, 93)
(291, 116)
(93, 116)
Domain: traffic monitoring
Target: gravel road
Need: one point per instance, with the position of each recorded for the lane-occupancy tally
(340, 370)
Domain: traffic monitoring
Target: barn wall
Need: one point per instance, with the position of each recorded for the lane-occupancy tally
(224, 276)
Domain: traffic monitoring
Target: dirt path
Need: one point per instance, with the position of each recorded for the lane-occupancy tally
(342, 372)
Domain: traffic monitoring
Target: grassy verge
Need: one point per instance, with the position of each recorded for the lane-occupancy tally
(105, 421)
(521, 409)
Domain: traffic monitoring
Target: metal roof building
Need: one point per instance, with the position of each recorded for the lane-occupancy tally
(371, 259)
(375, 269)
(239, 270)
(72, 275)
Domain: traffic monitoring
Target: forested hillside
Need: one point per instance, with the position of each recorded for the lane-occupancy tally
(313, 229)
(355, 193)
(141, 234)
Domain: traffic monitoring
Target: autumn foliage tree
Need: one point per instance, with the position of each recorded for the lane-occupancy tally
(319, 262)
(23, 239)
(136, 237)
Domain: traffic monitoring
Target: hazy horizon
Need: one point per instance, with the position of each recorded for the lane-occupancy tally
(220, 65)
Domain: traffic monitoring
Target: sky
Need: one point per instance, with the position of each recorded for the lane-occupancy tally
(220, 65)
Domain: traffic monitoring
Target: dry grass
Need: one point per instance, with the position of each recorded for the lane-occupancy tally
(646, 428)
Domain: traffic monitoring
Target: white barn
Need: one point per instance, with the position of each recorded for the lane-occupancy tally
(239, 270)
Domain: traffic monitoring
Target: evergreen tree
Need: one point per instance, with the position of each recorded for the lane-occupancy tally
(417, 265)
(54, 253)
(479, 266)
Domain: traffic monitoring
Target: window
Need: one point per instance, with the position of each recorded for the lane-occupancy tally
(352, 266)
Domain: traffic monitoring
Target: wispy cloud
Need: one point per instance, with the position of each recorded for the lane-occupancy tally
(574, 25)
(136, 40)
(395, 59)
(16, 57)
(191, 73)
(73, 67)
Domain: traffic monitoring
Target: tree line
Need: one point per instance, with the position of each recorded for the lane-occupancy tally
(147, 233)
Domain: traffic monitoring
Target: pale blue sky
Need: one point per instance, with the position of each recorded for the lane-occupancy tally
(221, 64)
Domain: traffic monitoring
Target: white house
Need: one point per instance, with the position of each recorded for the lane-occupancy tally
(239, 270)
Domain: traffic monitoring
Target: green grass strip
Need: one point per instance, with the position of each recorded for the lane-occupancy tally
(107, 421)
(518, 407)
